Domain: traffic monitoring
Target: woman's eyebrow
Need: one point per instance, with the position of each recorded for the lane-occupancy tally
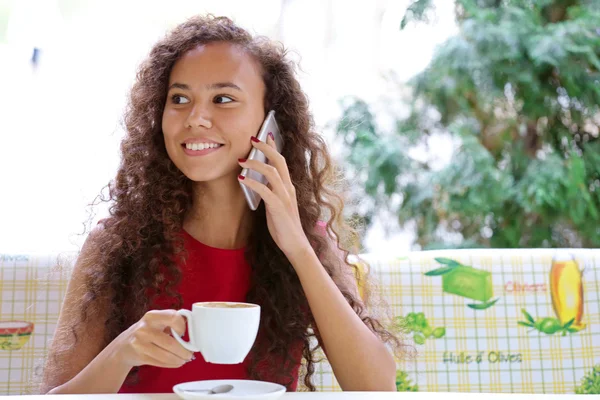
(182, 86)
(210, 86)
(221, 85)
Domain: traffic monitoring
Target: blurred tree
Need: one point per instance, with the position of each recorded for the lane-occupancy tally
(517, 92)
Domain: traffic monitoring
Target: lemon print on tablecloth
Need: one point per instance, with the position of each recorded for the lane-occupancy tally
(566, 288)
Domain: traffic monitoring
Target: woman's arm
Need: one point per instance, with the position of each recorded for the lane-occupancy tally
(82, 366)
(360, 361)
(85, 365)
(104, 374)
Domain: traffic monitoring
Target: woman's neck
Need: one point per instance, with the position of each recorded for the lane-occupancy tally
(220, 216)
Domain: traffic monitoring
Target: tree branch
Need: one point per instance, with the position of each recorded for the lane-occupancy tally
(557, 11)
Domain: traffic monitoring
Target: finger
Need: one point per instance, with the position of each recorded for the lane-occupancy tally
(274, 157)
(271, 174)
(263, 191)
(178, 323)
(161, 319)
(160, 358)
(280, 164)
(171, 345)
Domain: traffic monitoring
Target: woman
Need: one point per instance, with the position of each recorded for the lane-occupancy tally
(180, 232)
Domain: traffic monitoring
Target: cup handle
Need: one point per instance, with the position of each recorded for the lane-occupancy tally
(191, 346)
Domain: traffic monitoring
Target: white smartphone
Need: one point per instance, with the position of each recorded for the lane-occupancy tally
(269, 125)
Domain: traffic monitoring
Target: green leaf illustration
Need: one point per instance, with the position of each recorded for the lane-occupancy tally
(447, 261)
(568, 324)
(528, 316)
(439, 271)
(483, 306)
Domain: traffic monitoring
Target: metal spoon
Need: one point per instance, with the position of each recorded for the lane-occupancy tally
(216, 390)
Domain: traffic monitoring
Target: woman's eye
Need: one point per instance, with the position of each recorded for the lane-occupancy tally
(223, 99)
(177, 99)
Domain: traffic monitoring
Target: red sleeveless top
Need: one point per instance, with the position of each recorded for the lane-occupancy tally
(210, 274)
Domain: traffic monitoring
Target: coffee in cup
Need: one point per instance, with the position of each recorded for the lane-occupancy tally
(227, 305)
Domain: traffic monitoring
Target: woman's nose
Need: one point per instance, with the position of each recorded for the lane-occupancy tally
(199, 118)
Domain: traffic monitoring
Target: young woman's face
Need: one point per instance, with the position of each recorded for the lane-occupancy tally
(214, 105)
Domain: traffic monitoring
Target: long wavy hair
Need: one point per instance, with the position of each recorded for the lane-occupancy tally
(141, 241)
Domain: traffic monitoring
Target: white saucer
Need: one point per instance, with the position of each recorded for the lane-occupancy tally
(242, 389)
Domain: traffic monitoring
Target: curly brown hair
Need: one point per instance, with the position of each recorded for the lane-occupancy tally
(150, 196)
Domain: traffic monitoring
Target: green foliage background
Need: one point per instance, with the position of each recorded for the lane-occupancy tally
(517, 91)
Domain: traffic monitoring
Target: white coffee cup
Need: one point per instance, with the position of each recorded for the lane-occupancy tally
(223, 332)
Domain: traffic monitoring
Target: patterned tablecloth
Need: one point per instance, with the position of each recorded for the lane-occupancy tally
(511, 321)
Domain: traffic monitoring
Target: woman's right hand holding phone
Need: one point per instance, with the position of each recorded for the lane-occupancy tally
(147, 342)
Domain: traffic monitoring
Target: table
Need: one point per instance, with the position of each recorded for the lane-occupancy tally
(327, 396)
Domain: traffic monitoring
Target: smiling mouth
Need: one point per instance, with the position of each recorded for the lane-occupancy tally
(200, 149)
(200, 146)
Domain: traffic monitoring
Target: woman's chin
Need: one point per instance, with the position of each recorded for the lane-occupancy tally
(210, 177)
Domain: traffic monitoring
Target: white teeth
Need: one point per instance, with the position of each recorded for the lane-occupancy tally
(201, 146)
